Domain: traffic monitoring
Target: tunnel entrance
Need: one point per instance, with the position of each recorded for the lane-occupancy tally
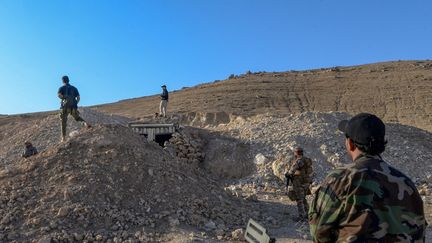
(154, 131)
(162, 138)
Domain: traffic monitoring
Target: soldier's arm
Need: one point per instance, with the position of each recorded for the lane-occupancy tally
(60, 93)
(77, 95)
(297, 165)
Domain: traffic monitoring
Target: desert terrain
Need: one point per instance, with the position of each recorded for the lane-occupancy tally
(224, 165)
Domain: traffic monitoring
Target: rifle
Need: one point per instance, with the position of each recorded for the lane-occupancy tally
(288, 178)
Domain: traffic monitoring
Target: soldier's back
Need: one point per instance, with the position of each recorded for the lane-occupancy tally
(381, 203)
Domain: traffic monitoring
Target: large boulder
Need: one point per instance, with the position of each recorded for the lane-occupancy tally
(280, 166)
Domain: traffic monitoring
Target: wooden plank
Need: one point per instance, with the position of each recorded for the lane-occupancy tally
(255, 233)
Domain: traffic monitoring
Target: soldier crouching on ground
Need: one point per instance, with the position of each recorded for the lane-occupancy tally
(70, 97)
(300, 173)
(368, 200)
(29, 150)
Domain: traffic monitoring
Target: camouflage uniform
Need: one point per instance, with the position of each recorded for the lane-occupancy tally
(70, 93)
(367, 201)
(64, 112)
(298, 186)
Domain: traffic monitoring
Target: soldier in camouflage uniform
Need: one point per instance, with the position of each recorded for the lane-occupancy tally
(30, 150)
(368, 200)
(70, 97)
(300, 182)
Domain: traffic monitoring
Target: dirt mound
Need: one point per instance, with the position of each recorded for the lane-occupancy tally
(108, 182)
(396, 91)
(44, 132)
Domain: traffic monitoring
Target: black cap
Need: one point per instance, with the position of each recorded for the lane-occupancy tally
(163, 86)
(364, 129)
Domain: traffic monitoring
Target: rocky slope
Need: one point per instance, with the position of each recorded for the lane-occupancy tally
(396, 91)
(107, 183)
(408, 148)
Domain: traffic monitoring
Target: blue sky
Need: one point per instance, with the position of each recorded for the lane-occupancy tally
(114, 49)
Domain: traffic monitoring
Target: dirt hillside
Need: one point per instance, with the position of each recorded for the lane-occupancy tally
(108, 184)
(396, 91)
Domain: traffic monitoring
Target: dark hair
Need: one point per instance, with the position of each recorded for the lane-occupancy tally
(373, 148)
(65, 79)
(298, 150)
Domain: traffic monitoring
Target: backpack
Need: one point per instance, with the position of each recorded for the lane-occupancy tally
(69, 100)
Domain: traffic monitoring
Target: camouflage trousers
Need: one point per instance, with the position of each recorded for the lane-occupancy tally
(64, 112)
(300, 196)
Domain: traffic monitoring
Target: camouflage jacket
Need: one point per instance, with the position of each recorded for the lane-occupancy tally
(367, 201)
(296, 164)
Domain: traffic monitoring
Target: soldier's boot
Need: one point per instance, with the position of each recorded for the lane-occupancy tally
(86, 124)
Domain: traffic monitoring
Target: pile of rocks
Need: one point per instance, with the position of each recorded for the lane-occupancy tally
(275, 137)
(186, 147)
(108, 183)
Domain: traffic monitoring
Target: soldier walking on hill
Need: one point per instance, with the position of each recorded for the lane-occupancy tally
(164, 101)
(368, 200)
(300, 174)
(70, 97)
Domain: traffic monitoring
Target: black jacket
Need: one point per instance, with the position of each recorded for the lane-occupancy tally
(164, 95)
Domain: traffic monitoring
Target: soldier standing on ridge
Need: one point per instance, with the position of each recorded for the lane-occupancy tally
(164, 101)
(70, 97)
(300, 172)
(368, 200)
(29, 150)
